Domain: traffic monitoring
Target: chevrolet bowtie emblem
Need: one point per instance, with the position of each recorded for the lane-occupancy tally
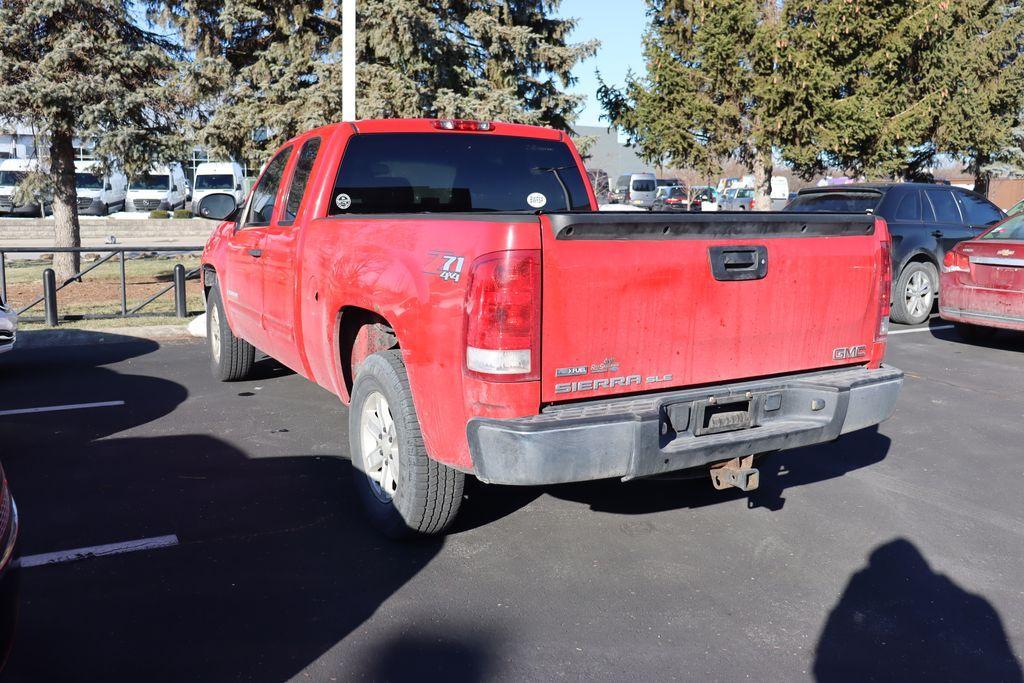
(1006, 252)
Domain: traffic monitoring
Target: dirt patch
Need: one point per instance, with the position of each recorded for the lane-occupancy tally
(99, 296)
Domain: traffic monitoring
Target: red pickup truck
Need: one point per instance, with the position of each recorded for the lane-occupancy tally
(454, 284)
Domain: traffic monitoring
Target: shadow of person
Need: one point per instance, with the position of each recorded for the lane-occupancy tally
(898, 620)
(779, 471)
(421, 653)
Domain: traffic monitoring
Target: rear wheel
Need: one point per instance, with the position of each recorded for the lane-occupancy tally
(974, 333)
(404, 491)
(231, 358)
(915, 293)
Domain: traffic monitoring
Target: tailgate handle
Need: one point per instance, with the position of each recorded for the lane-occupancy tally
(739, 263)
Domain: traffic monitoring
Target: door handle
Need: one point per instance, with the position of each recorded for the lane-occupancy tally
(937, 234)
(255, 253)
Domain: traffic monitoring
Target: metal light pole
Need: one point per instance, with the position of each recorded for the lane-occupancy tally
(348, 60)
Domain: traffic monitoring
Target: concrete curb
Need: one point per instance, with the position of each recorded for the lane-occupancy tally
(38, 339)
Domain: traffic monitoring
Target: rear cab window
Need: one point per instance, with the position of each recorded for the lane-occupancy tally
(644, 185)
(851, 201)
(456, 172)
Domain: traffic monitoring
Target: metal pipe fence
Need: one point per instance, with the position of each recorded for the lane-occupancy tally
(50, 286)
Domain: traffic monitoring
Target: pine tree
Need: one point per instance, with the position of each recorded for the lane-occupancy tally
(84, 68)
(880, 88)
(709, 64)
(984, 78)
(276, 67)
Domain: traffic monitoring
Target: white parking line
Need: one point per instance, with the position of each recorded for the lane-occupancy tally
(922, 329)
(72, 406)
(99, 551)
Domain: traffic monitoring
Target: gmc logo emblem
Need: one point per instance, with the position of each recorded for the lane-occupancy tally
(849, 352)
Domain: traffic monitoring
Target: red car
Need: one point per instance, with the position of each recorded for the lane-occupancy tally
(983, 281)
(454, 283)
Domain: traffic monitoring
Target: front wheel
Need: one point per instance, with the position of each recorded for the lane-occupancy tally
(231, 358)
(915, 293)
(404, 491)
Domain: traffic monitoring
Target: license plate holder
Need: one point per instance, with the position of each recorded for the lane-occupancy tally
(717, 416)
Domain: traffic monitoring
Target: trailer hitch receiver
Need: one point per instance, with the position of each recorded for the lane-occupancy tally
(738, 472)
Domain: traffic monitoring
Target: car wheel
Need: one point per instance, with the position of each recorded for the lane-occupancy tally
(231, 358)
(404, 491)
(915, 294)
(974, 333)
(105, 210)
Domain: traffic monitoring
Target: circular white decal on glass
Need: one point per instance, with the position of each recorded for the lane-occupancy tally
(343, 201)
(536, 200)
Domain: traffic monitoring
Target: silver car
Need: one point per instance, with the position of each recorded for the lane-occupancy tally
(8, 327)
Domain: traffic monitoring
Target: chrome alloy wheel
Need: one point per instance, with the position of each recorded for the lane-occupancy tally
(378, 441)
(919, 294)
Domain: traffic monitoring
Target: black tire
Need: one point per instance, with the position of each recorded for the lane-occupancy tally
(903, 308)
(426, 494)
(105, 210)
(233, 358)
(974, 333)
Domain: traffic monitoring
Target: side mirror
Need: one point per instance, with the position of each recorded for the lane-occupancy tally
(238, 186)
(219, 207)
(106, 187)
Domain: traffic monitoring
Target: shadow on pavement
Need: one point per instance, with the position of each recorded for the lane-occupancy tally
(779, 471)
(419, 654)
(275, 564)
(898, 620)
(988, 338)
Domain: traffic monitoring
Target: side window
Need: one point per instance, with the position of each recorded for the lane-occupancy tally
(944, 205)
(300, 177)
(909, 208)
(978, 210)
(261, 206)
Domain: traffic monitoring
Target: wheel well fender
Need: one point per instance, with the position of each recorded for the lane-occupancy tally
(360, 333)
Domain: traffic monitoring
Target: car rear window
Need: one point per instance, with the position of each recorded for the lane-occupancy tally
(1011, 229)
(826, 202)
(643, 186)
(456, 172)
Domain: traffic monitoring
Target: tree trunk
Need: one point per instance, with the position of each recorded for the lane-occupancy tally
(981, 178)
(762, 170)
(66, 230)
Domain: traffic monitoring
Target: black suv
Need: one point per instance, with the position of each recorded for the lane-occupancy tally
(925, 221)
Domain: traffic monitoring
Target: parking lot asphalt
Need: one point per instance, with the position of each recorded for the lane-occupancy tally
(893, 554)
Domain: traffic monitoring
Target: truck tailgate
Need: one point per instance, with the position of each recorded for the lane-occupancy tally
(636, 303)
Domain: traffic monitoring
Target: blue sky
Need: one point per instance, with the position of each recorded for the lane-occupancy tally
(619, 25)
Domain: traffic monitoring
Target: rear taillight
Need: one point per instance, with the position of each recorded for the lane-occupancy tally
(885, 279)
(956, 262)
(464, 124)
(503, 317)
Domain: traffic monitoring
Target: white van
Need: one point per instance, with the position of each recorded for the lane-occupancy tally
(217, 176)
(99, 194)
(162, 188)
(12, 171)
(636, 189)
